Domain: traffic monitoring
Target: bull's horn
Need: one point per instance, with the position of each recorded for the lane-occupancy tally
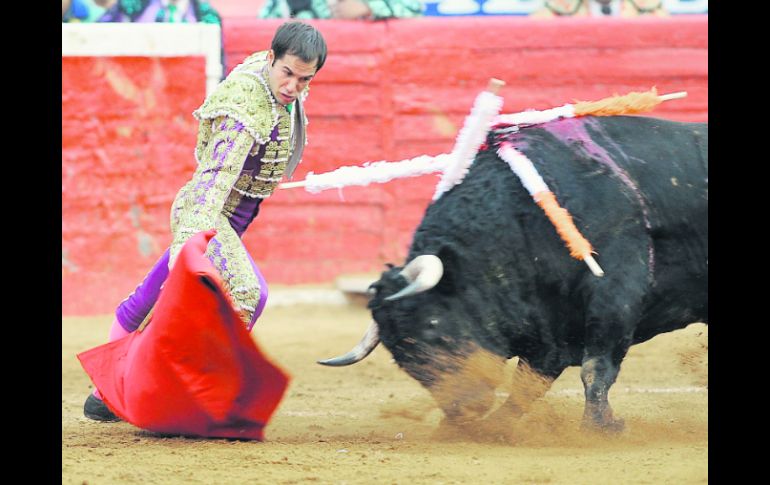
(423, 273)
(364, 348)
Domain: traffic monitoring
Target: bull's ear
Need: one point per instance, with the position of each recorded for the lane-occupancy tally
(449, 260)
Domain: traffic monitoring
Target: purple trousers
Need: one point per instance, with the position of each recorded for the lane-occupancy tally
(134, 309)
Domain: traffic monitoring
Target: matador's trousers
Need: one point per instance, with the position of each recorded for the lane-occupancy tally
(250, 298)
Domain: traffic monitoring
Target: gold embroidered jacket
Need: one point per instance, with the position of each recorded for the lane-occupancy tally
(246, 143)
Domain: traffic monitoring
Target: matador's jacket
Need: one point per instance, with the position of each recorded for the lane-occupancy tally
(246, 143)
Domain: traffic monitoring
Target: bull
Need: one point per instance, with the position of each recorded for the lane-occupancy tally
(486, 270)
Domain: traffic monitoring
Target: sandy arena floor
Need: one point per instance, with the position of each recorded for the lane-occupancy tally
(371, 423)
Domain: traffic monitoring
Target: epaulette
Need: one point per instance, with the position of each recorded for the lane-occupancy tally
(244, 96)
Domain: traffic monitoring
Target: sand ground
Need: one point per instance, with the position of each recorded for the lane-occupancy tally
(371, 423)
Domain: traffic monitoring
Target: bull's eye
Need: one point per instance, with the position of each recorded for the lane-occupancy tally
(371, 291)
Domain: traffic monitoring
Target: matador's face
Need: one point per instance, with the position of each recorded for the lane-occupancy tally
(288, 76)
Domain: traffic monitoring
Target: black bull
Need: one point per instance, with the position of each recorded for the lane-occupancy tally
(637, 189)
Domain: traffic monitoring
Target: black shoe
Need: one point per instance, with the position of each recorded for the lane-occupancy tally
(95, 409)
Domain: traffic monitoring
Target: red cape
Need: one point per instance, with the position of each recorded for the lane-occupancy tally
(194, 369)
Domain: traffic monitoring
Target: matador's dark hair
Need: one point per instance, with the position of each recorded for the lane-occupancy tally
(301, 40)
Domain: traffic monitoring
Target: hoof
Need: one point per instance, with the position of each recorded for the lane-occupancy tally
(450, 430)
(479, 431)
(610, 427)
(505, 414)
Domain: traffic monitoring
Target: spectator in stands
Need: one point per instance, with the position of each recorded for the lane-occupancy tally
(598, 8)
(169, 11)
(251, 134)
(95, 8)
(341, 9)
(74, 11)
(84, 10)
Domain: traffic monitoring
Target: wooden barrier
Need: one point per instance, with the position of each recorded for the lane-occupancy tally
(389, 91)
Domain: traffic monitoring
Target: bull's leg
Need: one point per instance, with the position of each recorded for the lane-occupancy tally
(613, 305)
(598, 372)
(528, 384)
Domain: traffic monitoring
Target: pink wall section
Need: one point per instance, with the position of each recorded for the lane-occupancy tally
(389, 91)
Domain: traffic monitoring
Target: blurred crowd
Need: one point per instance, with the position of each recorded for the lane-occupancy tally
(191, 11)
(210, 11)
(170, 11)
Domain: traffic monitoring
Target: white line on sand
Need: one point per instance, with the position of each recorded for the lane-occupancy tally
(630, 390)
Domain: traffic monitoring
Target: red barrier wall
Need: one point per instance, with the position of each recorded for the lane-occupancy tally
(389, 91)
